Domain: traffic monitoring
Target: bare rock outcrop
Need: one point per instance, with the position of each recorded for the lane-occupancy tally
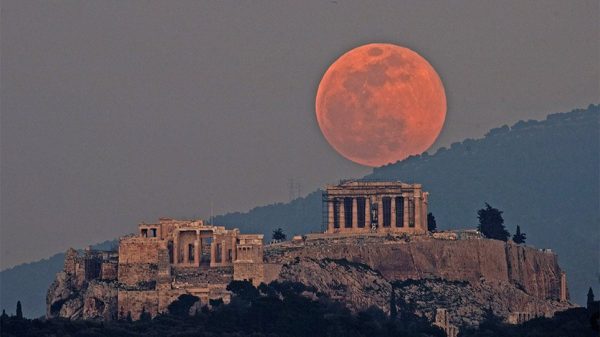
(64, 298)
(90, 300)
(356, 284)
(466, 277)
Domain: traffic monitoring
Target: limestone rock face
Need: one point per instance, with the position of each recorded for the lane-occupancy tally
(100, 301)
(355, 284)
(466, 277)
(467, 303)
(397, 258)
(90, 300)
(360, 287)
(64, 298)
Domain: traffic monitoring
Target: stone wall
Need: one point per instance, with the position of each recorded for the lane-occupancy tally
(109, 271)
(134, 301)
(139, 260)
(249, 271)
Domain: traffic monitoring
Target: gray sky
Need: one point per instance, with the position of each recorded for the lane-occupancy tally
(114, 112)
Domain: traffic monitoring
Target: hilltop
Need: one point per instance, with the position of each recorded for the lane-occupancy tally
(542, 174)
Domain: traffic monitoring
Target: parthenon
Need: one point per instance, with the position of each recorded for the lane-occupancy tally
(355, 206)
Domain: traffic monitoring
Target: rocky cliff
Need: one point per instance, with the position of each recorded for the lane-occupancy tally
(90, 300)
(467, 277)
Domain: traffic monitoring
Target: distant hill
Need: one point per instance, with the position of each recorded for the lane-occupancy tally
(544, 175)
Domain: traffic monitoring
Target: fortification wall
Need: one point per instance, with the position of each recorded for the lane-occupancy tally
(134, 301)
(139, 260)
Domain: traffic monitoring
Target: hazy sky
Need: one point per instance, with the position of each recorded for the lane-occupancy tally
(115, 112)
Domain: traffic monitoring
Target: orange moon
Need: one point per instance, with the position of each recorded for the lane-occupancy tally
(380, 103)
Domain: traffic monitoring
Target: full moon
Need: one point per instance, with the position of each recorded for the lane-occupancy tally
(380, 103)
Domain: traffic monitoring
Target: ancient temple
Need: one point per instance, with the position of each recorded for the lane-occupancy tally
(357, 206)
(174, 257)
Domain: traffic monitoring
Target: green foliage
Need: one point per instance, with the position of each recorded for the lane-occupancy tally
(431, 224)
(215, 303)
(519, 237)
(19, 310)
(571, 322)
(243, 289)
(144, 315)
(182, 305)
(491, 223)
(278, 235)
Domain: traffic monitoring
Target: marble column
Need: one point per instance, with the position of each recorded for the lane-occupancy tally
(405, 214)
(330, 216)
(424, 210)
(393, 212)
(342, 214)
(223, 252)
(213, 252)
(186, 254)
(368, 212)
(176, 247)
(418, 223)
(197, 250)
(234, 248)
(354, 213)
(380, 213)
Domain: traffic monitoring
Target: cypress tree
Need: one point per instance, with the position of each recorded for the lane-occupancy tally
(519, 237)
(19, 310)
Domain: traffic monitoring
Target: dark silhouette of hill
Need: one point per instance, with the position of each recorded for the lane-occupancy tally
(294, 310)
(544, 175)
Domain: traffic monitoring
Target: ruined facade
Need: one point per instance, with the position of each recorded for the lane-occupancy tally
(355, 206)
(175, 257)
(153, 268)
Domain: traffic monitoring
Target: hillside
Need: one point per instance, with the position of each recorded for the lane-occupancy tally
(458, 275)
(542, 174)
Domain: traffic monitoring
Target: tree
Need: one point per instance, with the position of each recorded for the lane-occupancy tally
(279, 235)
(491, 223)
(393, 308)
(243, 289)
(145, 316)
(431, 224)
(19, 310)
(519, 237)
(181, 306)
(4, 317)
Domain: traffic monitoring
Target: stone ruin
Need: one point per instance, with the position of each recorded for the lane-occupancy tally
(162, 262)
(356, 206)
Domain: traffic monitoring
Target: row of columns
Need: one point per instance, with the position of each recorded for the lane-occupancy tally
(406, 221)
(197, 251)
